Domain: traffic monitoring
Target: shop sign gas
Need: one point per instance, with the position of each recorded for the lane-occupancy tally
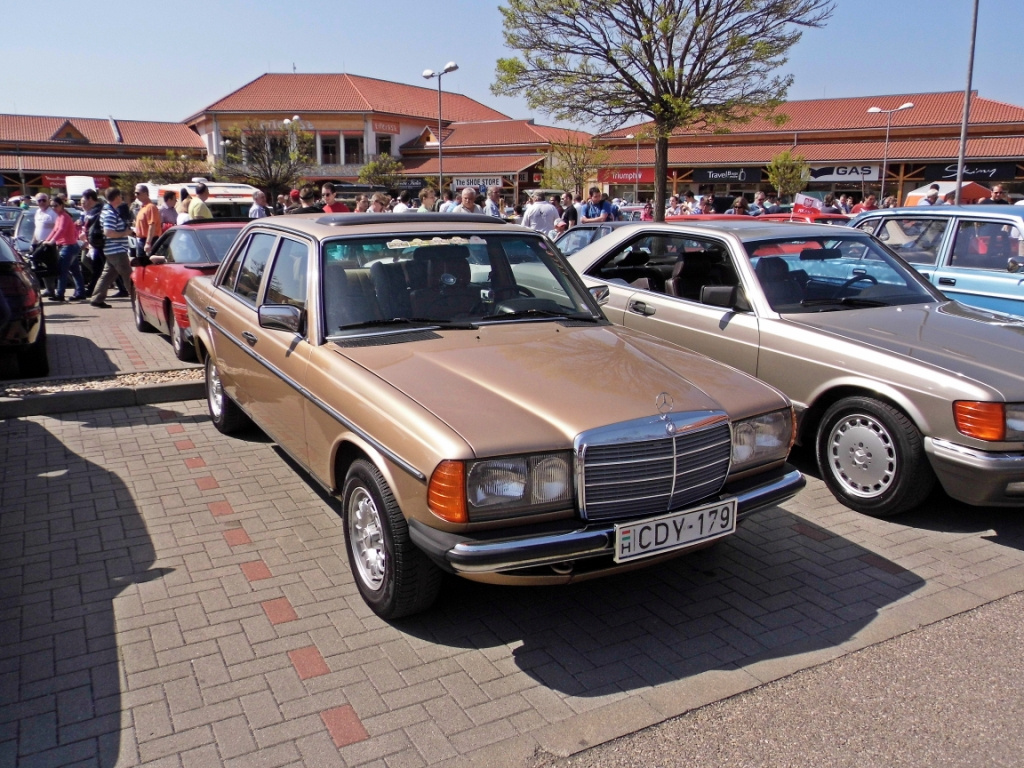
(850, 172)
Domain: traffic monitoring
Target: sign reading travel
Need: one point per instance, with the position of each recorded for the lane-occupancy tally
(726, 175)
(848, 172)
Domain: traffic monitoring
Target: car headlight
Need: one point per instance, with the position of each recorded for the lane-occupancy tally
(762, 439)
(490, 489)
(993, 422)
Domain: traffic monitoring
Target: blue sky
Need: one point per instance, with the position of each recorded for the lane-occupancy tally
(168, 64)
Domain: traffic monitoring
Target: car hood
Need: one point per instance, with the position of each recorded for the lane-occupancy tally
(986, 347)
(535, 386)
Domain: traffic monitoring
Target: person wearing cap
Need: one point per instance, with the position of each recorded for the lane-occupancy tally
(147, 223)
(293, 202)
(197, 209)
(932, 198)
(307, 201)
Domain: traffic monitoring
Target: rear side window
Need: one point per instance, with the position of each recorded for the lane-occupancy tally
(986, 245)
(245, 274)
(915, 239)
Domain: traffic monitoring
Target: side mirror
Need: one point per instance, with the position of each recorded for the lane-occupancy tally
(281, 317)
(1012, 265)
(601, 294)
(725, 296)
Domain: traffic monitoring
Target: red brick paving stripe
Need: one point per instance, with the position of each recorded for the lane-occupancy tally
(811, 532)
(236, 537)
(221, 508)
(184, 445)
(881, 563)
(279, 611)
(196, 463)
(256, 570)
(344, 726)
(207, 483)
(175, 429)
(308, 662)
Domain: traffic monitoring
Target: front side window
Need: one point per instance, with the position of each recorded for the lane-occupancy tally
(915, 239)
(182, 248)
(288, 277)
(986, 245)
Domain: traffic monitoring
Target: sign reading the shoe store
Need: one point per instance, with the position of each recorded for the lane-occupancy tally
(478, 181)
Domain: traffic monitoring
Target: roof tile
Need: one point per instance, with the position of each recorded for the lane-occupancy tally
(98, 131)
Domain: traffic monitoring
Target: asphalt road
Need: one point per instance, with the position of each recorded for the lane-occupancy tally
(949, 694)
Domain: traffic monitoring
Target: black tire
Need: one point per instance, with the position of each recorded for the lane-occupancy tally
(33, 362)
(872, 458)
(183, 349)
(226, 416)
(394, 577)
(140, 319)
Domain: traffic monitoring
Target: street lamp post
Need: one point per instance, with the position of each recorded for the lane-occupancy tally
(885, 151)
(636, 171)
(451, 66)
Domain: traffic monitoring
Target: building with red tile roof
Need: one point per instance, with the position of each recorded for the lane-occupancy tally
(39, 151)
(843, 142)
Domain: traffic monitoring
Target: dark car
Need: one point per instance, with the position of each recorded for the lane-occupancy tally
(8, 215)
(22, 327)
(182, 252)
(24, 227)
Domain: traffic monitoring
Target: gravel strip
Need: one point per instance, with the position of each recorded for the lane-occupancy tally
(21, 389)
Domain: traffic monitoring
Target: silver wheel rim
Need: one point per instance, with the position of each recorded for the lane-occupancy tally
(177, 339)
(214, 391)
(862, 455)
(367, 542)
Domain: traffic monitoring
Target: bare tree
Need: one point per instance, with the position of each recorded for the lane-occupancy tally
(273, 156)
(572, 163)
(698, 64)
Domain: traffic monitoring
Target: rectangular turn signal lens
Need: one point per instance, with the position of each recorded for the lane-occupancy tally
(446, 493)
(983, 421)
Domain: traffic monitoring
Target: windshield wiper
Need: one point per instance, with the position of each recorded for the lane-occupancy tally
(848, 301)
(419, 321)
(541, 313)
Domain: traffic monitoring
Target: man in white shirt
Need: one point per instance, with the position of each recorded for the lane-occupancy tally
(540, 215)
(492, 205)
(45, 220)
(258, 210)
(468, 202)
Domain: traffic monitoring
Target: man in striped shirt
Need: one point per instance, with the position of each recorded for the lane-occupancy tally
(115, 229)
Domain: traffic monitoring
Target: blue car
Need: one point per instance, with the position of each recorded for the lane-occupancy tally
(972, 253)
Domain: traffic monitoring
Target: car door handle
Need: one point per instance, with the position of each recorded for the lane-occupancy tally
(211, 311)
(947, 281)
(641, 308)
(249, 337)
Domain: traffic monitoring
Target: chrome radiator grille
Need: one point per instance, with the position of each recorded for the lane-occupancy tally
(639, 468)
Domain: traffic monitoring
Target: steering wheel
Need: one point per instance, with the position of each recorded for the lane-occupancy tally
(853, 281)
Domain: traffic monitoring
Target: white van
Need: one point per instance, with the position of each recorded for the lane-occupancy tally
(226, 200)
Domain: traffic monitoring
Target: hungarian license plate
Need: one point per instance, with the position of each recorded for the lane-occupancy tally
(678, 530)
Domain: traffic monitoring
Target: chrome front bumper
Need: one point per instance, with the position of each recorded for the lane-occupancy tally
(973, 476)
(497, 551)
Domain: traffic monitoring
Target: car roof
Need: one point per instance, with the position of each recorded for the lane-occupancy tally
(325, 225)
(959, 210)
(751, 228)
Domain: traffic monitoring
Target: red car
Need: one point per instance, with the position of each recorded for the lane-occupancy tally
(181, 253)
(808, 218)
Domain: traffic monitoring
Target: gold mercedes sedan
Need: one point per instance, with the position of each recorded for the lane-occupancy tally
(451, 380)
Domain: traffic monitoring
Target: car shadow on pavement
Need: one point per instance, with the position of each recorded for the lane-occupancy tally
(780, 586)
(71, 542)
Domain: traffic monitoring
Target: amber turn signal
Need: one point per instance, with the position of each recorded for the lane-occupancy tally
(983, 421)
(446, 495)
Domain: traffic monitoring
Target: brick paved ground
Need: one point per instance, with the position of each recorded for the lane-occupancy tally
(83, 340)
(173, 597)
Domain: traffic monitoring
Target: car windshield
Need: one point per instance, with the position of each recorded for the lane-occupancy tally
(218, 241)
(823, 274)
(464, 280)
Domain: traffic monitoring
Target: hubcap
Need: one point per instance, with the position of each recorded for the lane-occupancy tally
(367, 543)
(862, 455)
(214, 391)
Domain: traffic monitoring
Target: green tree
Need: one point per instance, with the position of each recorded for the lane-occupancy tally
(694, 64)
(385, 171)
(788, 173)
(271, 155)
(572, 163)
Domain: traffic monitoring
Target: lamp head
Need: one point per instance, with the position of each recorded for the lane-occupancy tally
(630, 136)
(874, 109)
(451, 66)
(908, 105)
(428, 73)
